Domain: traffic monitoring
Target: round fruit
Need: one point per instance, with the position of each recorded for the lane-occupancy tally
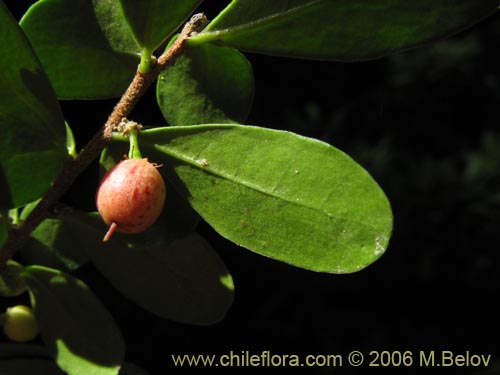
(131, 196)
(20, 324)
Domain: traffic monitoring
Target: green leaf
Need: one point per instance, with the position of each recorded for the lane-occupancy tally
(28, 209)
(153, 21)
(281, 195)
(11, 282)
(76, 329)
(27, 366)
(343, 30)
(194, 284)
(32, 142)
(70, 142)
(58, 243)
(80, 61)
(207, 84)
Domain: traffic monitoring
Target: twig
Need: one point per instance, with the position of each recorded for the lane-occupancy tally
(74, 167)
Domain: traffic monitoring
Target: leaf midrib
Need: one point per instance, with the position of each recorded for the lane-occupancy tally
(190, 161)
(252, 24)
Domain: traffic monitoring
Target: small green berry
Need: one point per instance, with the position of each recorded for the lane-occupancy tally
(19, 324)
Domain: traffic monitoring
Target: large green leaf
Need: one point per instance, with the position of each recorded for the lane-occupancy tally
(344, 30)
(183, 280)
(279, 194)
(80, 57)
(77, 330)
(32, 141)
(153, 21)
(207, 84)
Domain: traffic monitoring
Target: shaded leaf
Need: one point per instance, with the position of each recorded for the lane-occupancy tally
(21, 350)
(77, 330)
(207, 84)
(343, 30)
(79, 60)
(32, 142)
(58, 243)
(11, 282)
(27, 366)
(183, 280)
(281, 195)
(153, 21)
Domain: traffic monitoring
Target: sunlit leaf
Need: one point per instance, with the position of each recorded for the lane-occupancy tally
(75, 52)
(207, 84)
(77, 330)
(344, 30)
(32, 142)
(288, 197)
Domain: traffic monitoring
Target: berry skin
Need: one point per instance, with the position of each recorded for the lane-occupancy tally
(20, 324)
(131, 196)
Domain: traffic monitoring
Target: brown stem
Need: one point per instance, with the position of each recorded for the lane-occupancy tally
(74, 167)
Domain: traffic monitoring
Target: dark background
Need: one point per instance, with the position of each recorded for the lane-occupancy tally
(425, 124)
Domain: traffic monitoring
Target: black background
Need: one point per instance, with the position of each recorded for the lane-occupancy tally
(425, 124)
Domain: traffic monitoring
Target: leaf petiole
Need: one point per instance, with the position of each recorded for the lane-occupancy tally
(146, 61)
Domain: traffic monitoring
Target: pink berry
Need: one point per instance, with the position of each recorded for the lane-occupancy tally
(130, 196)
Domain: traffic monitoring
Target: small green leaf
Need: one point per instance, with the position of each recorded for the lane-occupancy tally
(29, 366)
(11, 282)
(77, 330)
(58, 243)
(153, 21)
(194, 284)
(28, 209)
(31, 124)
(79, 60)
(70, 142)
(207, 84)
(281, 195)
(344, 30)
